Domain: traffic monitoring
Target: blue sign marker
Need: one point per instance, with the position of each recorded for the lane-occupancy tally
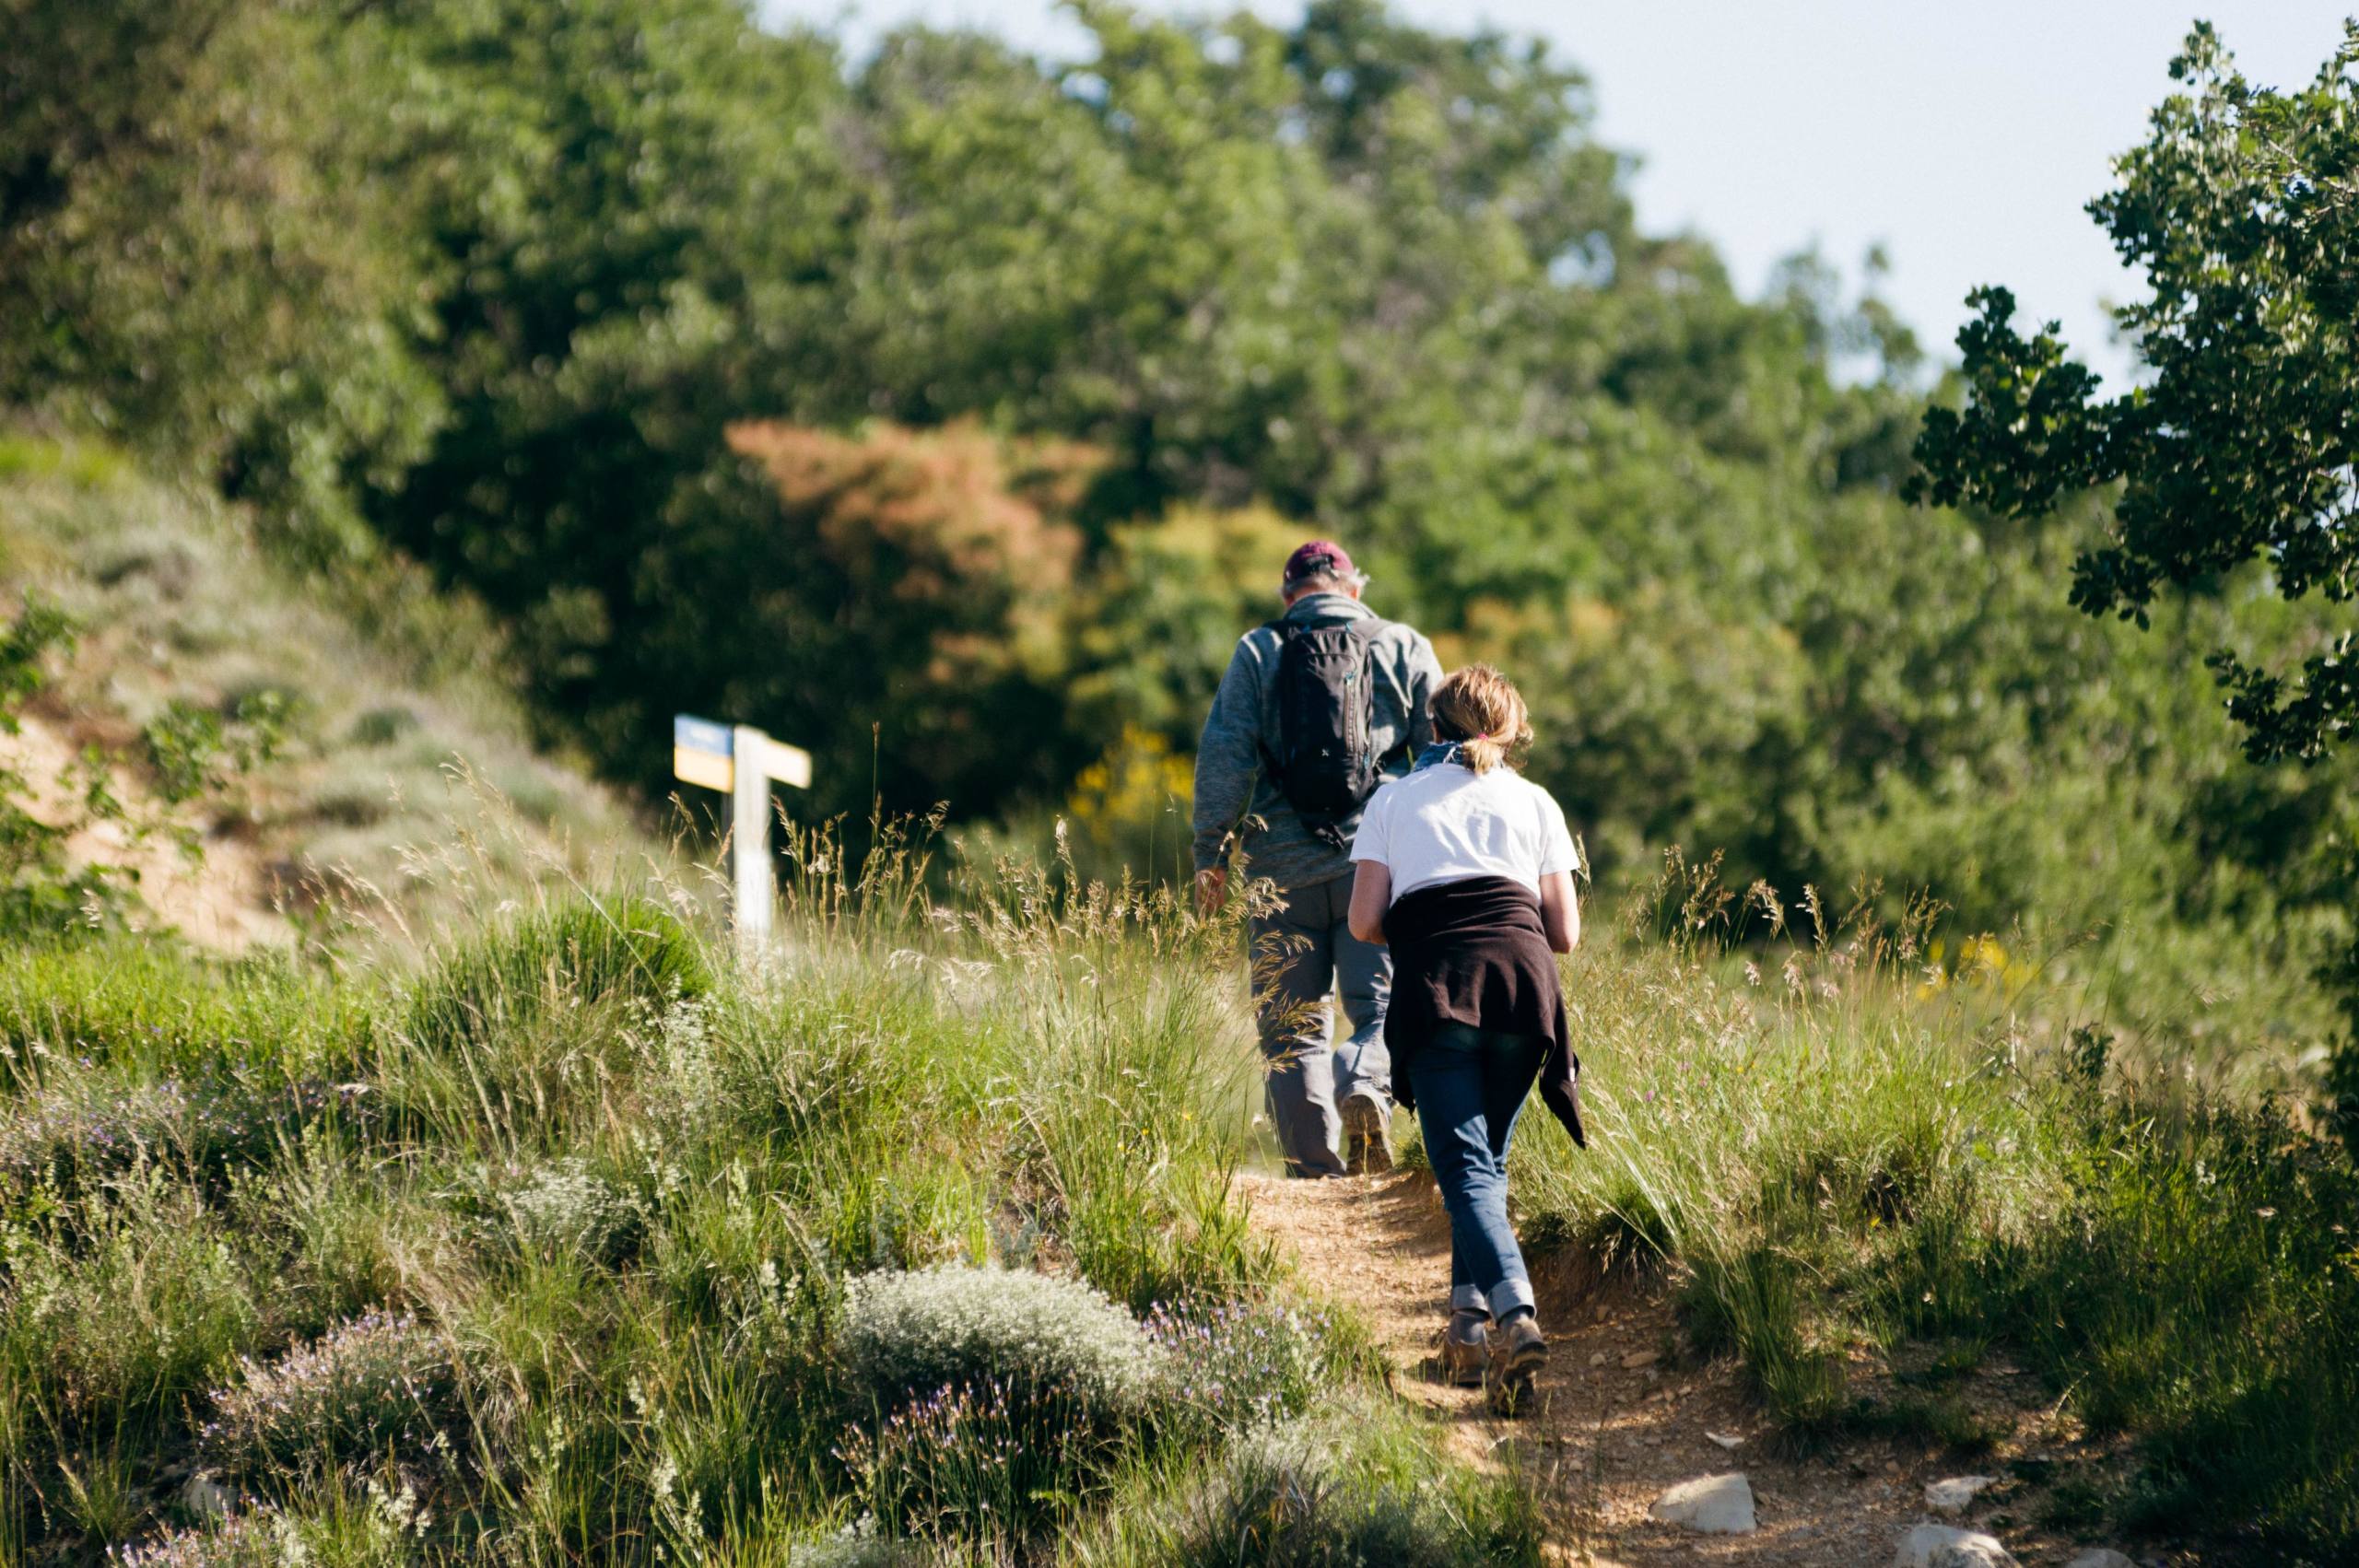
(693, 734)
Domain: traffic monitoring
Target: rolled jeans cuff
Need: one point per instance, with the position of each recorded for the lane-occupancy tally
(1512, 1295)
(1467, 1298)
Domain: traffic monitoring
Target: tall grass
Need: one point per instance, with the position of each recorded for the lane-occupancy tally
(536, 1241)
(1860, 1149)
(559, 1270)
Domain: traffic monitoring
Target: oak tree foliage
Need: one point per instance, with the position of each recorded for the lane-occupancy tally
(2241, 444)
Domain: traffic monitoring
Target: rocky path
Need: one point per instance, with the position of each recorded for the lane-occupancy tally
(1620, 1422)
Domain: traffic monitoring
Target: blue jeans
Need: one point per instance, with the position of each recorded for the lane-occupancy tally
(1470, 1086)
(1301, 950)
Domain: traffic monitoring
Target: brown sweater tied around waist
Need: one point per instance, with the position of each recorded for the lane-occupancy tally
(1474, 952)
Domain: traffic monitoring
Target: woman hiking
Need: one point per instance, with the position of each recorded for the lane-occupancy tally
(1465, 873)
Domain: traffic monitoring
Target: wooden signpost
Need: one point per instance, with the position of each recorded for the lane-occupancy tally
(743, 761)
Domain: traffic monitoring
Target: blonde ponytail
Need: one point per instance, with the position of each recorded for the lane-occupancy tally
(1481, 709)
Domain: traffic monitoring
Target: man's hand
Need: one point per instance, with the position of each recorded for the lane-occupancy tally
(1212, 890)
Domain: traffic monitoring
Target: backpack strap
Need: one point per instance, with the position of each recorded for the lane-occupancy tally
(1285, 632)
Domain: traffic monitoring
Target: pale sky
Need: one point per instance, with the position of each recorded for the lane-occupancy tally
(1964, 135)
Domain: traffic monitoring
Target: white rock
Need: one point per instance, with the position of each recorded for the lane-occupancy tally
(1727, 1440)
(1720, 1505)
(1943, 1546)
(205, 1498)
(2101, 1557)
(1951, 1496)
(1975, 1552)
(1596, 1358)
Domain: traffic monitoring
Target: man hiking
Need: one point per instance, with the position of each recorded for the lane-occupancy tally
(1319, 707)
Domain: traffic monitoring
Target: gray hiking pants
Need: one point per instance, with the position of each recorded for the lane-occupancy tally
(1301, 952)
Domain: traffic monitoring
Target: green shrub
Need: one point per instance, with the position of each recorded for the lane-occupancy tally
(914, 1333)
(584, 951)
(382, 726)
(191, 750)
(1341, 1492)
(565, 1209)
(381, 1385)
(112, 1331)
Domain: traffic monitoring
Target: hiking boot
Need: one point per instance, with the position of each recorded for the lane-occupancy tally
(1368, 1136)
(1516, 1353)
(1466, 1348)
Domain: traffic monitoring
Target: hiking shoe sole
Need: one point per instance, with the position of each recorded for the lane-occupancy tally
(1368, 1136)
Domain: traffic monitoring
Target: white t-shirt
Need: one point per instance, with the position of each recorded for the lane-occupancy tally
(1448, 823)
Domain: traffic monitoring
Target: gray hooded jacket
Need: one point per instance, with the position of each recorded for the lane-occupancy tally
(1236, 800)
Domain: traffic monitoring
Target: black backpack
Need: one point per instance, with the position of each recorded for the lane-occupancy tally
(1326, 762)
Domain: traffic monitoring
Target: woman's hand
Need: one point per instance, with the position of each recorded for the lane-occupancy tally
(1371, 896)
(1560, 911)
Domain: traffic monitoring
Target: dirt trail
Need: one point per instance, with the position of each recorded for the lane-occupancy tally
(1619, 1420)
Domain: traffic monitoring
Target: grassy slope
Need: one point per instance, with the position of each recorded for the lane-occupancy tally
(393, 736)
(623, 1187)
(1868, 1187)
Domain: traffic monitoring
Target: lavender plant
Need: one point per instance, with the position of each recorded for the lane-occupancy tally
(381, 1384)
(84, 1129)
(1240, 1365)
(979, 1462)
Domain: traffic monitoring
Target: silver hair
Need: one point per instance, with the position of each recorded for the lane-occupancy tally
(1313, 582)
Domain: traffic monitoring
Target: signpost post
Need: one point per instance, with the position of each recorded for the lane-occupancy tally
(742, 760)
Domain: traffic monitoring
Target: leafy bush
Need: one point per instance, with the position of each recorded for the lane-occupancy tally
(1008, 1394)
(1030, 1334)
(583, 951)
(381, 1383)
(193, 750)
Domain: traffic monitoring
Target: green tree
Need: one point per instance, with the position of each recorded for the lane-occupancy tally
(630, 216)
(198, 257)
(898, 588)
(2242, 208)
(2243, 446)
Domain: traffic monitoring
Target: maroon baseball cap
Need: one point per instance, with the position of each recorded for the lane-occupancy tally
(1319, 555)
